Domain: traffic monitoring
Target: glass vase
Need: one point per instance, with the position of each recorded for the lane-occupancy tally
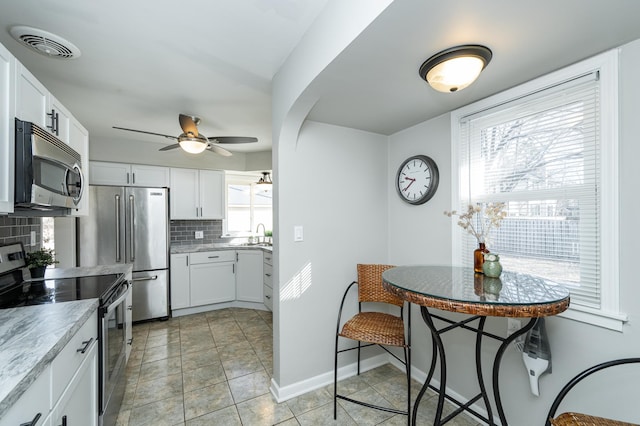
(478, 257)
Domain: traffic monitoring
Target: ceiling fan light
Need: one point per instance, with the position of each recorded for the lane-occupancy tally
(455, 68)
(265, 179)
(192, 145)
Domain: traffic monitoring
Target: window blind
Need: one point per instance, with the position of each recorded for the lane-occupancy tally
(540, 155)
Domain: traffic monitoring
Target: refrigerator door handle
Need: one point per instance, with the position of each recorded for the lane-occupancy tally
(152, 278)
(118, 251)
(132, 235)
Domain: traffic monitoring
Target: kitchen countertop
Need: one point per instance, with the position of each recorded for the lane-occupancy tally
(32, 336)
(193, 248)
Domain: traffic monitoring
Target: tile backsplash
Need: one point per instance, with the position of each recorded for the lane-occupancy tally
(183, 231)
(18, 229)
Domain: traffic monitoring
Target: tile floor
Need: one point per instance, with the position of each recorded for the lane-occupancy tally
(215, 369)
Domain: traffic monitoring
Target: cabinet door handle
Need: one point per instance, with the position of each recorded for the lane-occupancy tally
(55, 123)
(64, 421)
(201, 212)
(130, 342)
(34, 421)
(197, 212)
(213, 257)
(268, 297)
(268, 275)
(86, 344)
(127, 177)
(134, 177)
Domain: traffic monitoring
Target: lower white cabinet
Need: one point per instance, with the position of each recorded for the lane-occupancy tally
(267, 280)
(249, 276)
(210, 277)
(180, 281)
(66, 388)
(78, 405)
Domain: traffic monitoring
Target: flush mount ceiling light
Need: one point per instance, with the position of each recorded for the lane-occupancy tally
(455, 68)
(265, 179)
(193, 144)
(44, 42)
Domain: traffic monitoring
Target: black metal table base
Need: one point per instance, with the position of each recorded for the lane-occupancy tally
(439, 353)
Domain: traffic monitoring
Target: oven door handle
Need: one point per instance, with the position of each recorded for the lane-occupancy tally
(119, 300)
(151, 278)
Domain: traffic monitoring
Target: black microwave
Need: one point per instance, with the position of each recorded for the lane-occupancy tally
(48, 174)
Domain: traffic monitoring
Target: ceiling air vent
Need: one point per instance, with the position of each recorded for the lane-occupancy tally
(45, 43)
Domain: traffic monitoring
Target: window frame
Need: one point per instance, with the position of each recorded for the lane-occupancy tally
(608, 315)
(239, 179)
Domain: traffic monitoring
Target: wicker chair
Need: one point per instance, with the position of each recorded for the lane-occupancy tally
(578, 419)
(374, 328)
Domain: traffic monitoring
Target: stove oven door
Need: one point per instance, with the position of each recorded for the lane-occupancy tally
(114, 330)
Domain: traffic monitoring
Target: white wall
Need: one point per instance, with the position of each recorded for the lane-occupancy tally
(422, 235)
(334, 185)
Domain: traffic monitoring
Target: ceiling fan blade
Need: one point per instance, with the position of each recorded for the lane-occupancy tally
(146, 133)
(168, 147)
(218, 150)
(188, 125)
(233, 139)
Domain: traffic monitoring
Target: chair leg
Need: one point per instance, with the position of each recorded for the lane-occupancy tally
(358, 358)
(335, 382)
(407, 359)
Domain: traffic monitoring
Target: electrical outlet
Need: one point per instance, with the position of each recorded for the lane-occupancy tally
(199, 235)
(297, 233)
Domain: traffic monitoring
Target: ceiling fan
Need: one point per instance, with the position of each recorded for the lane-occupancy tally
(193, 142)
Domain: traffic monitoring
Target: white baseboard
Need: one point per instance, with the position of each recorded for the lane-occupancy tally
(216, 306)
(284, 393)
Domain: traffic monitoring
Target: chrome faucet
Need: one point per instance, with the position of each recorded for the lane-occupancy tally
(264, 230)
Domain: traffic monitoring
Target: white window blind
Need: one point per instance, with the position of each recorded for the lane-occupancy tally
(540, 154)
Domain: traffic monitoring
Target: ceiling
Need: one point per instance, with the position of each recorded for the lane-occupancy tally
(143, 62)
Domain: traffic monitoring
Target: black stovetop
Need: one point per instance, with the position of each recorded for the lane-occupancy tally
(57, 290)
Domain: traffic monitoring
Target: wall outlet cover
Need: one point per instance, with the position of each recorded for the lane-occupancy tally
(199, 235)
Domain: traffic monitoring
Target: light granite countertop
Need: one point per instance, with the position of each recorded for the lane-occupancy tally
(194, 248)
(32, 336)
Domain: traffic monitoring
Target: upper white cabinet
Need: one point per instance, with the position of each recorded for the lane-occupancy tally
(197, 194)
(7, 114)
(79, 141)
(34, 103)
(122, 174)
(31, 98)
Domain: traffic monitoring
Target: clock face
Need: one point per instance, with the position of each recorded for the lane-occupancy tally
(417, 179)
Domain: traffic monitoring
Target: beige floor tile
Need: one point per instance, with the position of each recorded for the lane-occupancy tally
(324, 416)
(157, 353)
(249, 386)
(309, 401)
(365, 415)
(196, 359)
(157, 369)
(206, 400)
(157, 390)
(167, 412)
(202, 377)
(160, 339)
(225, 417)
(263, 410)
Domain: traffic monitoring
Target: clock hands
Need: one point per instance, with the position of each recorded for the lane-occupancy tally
(406, 179)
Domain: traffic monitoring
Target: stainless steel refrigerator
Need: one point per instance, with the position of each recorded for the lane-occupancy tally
(130, 225)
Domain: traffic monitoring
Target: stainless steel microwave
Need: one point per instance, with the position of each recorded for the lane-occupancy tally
(48, 171)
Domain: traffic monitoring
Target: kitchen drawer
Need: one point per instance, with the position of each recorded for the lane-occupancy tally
(68, 361)
(268, 258)
(212, 256)
(268, 297)
(37, 399)
(268, 274)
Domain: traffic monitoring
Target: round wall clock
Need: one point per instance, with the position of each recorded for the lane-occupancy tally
(417, 179)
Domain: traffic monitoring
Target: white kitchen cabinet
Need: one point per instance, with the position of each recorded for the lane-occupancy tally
(212, 277)
(7, 114)
(249, 276)
(79, 141)
(36, 104)
(267, 271)
(66, 387)
(60, 120)
(180, 281)
(197, 194)
(78, 405)
(31, 98)
(123, 174)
